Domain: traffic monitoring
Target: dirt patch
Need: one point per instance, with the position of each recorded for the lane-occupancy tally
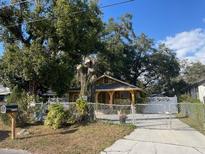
(87, 139)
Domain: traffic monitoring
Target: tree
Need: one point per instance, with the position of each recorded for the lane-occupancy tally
(45, 40)
(193, 72)
(135, 58)
(86, 76)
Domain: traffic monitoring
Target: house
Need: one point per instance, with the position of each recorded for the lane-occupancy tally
(197, 90)
(110, 90)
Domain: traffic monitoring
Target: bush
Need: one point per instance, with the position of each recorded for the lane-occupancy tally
(5, 119)
(70, 118)
(188, 99)
(22, 99)
(81, 110)
(56, 116)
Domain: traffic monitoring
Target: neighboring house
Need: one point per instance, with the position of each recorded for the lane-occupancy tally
(4, 91)
(197, 91)
(110, 90)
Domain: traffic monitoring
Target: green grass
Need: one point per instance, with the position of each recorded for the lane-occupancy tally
(194, 123)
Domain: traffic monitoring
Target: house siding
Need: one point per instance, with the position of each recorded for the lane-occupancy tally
(201, 93)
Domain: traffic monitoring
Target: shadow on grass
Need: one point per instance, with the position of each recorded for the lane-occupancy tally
(28, 125)
(4, 134)
(49, 134)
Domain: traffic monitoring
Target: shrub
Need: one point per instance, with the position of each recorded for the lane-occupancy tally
(188, 99)
(56, 116)
(81, 110)
(142, 98)
(70, 117)
(22, 99)
(5, 119)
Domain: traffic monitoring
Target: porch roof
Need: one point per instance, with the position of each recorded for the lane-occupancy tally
(116, 87)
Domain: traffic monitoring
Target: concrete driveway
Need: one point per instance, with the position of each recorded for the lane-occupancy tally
(155, 136)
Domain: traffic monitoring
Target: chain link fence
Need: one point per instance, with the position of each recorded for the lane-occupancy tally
(192, 114)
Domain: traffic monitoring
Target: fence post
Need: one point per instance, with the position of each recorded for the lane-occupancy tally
(133, 113)
(170, 119)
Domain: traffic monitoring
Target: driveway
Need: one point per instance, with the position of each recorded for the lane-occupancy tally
(154, 136)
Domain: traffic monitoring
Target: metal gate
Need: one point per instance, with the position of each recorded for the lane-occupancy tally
(155, 116)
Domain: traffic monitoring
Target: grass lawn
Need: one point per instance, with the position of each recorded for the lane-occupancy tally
(88, 139)
(194, 124)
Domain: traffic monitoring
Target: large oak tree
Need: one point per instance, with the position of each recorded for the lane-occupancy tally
(44, 40)
(135, 58)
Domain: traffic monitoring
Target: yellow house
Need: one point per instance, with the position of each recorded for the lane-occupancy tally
(110, 90)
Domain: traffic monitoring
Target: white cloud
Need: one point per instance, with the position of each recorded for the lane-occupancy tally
(188, 45)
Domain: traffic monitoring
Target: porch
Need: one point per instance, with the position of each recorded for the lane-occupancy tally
(124, 97)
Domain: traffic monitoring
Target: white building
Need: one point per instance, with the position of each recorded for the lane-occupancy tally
(197, 90)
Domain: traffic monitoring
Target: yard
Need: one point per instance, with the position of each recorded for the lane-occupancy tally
(194, 124)
(85, 139)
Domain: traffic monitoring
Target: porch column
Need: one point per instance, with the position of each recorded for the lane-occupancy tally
(133, 108)
(96, 97)
(111, 97)
(132, 97)
(96, 100)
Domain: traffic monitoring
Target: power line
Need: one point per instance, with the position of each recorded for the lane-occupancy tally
(118, 3)
(26, 1)
(73, 13)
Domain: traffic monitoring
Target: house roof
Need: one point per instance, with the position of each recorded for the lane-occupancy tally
(118, 86)
(196, 84)
(200, 82)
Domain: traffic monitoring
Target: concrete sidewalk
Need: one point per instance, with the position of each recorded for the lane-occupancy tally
(155, 137)
(13, 151)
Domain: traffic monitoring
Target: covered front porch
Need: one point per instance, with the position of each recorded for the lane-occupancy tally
(116, 96)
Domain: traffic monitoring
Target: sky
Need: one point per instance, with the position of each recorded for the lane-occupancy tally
(180, 24)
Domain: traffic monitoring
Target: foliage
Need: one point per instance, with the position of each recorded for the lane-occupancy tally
(136, 59)
(193, 114)
(142, 98)
(22, 99)
(188, 99)
(193, 72)
(82, 110)
(56, 116)
(42, 54)
(5, 119)
(70, 117)
(190, 74)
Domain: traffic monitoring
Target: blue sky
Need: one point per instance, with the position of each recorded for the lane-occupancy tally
(161, 18)
(169, 21)
(180, 24)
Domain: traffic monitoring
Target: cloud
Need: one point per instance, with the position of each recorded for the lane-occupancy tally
(188, 45)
